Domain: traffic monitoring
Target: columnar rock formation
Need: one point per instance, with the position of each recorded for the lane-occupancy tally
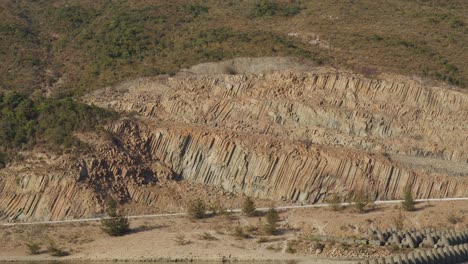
(300, 136)
(296, 136)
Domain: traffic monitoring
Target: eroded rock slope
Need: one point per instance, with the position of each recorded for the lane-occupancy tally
(299, 135)
(288, 135)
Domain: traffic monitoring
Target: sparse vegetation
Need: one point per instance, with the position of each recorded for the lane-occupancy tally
(197, 209)
(33, 248)
(248, 207)
(291, 246)
(335, 203)
(55, 251)
(398, 220)
(238, 231)
(181, 241)
(361, 201)
(408, 202)
(117, 224)
(207, 236)
(454, 218)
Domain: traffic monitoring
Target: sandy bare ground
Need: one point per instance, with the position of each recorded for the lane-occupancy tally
(212, 239)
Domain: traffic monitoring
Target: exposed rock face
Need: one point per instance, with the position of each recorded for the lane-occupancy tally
(302, 135)
(43, 188)
(294, 136)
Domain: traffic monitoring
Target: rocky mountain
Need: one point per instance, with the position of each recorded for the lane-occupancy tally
(291, 133)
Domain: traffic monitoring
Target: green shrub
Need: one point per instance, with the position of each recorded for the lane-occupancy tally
(197, 209)
(271, 226)
(408, 201)
(248, 207)
(116, 224)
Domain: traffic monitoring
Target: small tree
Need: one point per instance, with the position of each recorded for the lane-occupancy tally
(271, 227)
(408, 201)
(197, 209)
(360, 201)
(248, 207)
(116, 224)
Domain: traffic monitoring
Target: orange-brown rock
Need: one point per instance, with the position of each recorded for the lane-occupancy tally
(288, 135)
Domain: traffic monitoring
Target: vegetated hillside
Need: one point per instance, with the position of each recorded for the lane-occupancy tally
(24, 122)
(74, 47)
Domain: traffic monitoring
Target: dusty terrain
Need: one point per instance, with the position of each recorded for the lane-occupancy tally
(156, 238)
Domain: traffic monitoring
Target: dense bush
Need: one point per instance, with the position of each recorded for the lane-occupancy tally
(25, 122)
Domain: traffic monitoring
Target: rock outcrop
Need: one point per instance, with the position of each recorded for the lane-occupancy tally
(299, 136)
(294, 136)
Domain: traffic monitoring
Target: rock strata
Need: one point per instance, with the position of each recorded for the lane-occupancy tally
(295, 136)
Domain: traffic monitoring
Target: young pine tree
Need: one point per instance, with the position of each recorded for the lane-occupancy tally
(197, 209)
(248, 207)
(408, 201)
(116, 224)
(271, 226)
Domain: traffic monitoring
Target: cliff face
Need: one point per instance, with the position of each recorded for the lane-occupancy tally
(299, 136)
(294, 136)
